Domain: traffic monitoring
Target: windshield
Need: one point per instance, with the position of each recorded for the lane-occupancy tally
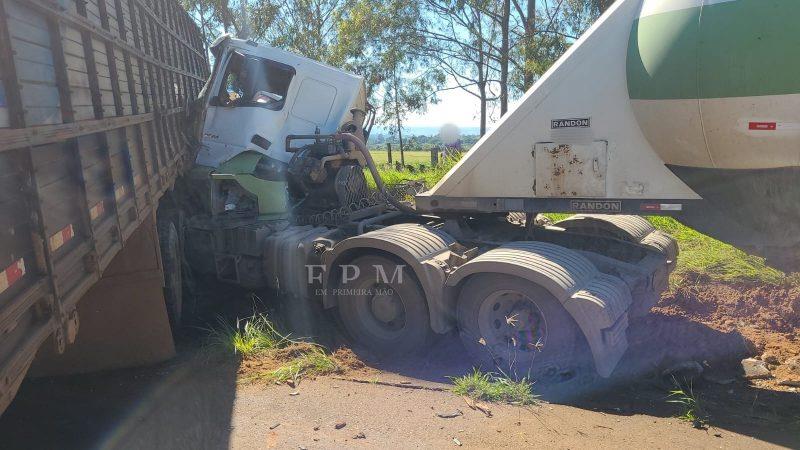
(253, 81)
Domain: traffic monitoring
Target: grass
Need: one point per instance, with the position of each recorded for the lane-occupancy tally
(414, 157)
(247, 337)
(268, 354)
(691, 406)
(713, 259)
(490, 387)
(428, 175)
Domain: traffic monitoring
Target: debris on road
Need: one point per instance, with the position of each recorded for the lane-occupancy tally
(755, 369)
(450, 415)
(293, 393)
(685, 370)
(274, 425)
(340, 425)
(360, 435)
(402, 384)
(478, 406)
(457, 442)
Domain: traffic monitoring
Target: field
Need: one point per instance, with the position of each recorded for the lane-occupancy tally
(413, 157)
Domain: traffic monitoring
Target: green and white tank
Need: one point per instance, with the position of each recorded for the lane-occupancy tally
(716, 83)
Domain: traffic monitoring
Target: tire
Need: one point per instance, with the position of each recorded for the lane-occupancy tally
(389, 318)
(171, 261)
(513, 325)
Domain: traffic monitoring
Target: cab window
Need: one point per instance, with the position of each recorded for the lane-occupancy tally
(254, 82)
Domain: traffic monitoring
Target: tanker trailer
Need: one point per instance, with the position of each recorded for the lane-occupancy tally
(684, 107)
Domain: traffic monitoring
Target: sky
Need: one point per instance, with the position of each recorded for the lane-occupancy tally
(455, 106)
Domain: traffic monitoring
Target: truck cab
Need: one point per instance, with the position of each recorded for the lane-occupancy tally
(258, 95)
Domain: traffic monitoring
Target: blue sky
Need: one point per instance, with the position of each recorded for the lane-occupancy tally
(455, 106)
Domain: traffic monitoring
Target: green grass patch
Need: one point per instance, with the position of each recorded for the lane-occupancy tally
(413, 157)
(491, 387)
(267, 354)
(429, 175)
(704, 257)
(247, 337)
(691, 406)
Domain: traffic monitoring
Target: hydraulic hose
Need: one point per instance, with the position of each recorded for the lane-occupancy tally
(362, 147)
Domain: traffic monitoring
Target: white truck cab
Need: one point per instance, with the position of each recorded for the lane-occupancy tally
(258, 95)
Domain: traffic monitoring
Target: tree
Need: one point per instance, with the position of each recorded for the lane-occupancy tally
(461, 36)
(217, 16)
(305, 27)
(379, 39)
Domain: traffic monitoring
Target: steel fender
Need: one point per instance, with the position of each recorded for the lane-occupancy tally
(627, 227)
(597, 302)
(423, 249)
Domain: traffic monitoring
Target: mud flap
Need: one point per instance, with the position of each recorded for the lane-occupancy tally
(123, 317)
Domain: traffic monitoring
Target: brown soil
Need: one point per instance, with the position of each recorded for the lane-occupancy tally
(252, 368)
(768, 317)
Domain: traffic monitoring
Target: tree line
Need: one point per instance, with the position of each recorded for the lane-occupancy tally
(409, 51)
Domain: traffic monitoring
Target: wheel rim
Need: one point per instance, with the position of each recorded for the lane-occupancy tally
(381, 310)
(512, 326)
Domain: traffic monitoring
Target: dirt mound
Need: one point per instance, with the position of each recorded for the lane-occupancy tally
(729, 307)
(347, 359)
(723, 323)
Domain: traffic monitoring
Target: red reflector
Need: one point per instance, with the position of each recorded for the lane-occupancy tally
(764, 126)
(650, 207)
(12, 274)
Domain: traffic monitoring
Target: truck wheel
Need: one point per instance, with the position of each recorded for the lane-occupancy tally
(173, 273)
(517, 326)
(387, 317)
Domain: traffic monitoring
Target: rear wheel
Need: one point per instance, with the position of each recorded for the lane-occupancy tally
(387, 315)
(173, 272)
(515, 325)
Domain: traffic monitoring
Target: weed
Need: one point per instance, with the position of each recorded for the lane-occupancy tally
(493, 388)
(691, 406)
(247, 337)
(269, 355)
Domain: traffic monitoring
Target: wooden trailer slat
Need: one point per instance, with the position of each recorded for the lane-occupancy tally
(101, 33)
(90, 139)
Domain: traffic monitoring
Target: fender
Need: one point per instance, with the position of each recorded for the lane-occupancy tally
(597, 302)
(628, 228)
(423, 249)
